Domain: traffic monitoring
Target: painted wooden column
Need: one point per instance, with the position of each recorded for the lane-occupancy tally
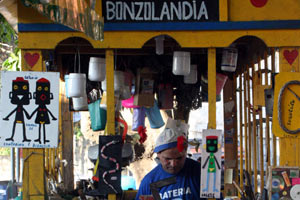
(289, 62)
(34, 164)
(211, 88)
(109, 57)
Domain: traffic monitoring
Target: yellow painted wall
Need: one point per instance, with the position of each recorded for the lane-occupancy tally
(244, 10)
(237, 11)
(136, 39)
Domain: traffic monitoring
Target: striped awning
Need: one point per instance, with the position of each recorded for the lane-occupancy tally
(79, 15)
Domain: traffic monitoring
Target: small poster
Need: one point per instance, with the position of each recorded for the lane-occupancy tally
(29, 109)
(211, 163)
(284, 183)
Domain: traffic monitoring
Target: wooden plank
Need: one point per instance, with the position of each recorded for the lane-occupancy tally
(261, 139)
(249, 119)
(254, 145)
(241, 132)
(267, 133)
(246, 118)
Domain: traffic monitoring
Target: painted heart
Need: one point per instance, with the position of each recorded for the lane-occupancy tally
(259, 3)
(290, 56)
(31, 59)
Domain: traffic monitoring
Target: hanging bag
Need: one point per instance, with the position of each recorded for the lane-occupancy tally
(97, 115)
(138, 118)
(154, 116)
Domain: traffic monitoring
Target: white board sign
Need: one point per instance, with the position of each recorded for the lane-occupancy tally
(29, 109)
(211, 163)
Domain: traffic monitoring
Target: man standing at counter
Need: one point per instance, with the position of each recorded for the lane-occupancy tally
(171, 149)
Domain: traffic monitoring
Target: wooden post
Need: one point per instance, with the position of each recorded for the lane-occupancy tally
(288, 145)
(230, 134)
(211, 88)
(34, 164)
(109, 57)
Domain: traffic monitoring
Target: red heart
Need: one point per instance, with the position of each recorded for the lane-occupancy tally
(290, 56)
(259, 3)
(31, 59)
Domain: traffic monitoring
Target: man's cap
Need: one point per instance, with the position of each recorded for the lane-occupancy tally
(167, 139)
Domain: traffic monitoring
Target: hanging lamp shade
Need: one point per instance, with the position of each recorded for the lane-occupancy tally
(97, 69)
(181, 63)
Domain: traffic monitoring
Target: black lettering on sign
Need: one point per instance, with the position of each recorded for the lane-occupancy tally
(160, 10)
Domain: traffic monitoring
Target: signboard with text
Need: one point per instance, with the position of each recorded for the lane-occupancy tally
(29, 110)
(148, 11)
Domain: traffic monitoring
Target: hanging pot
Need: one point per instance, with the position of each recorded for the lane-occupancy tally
(76, 85)
(97, 69)
(181, 63)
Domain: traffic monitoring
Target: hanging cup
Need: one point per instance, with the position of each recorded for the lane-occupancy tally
(97, 69)
(181, 63)
(76, 85)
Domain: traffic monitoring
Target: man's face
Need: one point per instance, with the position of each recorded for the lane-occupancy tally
(172, 160)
